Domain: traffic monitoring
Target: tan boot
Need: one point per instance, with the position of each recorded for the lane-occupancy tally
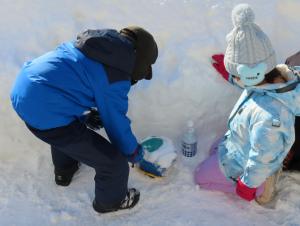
(269, 189)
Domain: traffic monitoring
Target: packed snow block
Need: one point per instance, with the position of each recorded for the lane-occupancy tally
(159, 156)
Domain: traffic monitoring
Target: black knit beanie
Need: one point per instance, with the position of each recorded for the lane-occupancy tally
(146, 51)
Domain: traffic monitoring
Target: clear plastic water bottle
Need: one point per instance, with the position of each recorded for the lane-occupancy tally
(189, 140)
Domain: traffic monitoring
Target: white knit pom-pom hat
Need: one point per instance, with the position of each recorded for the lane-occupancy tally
(247, 43)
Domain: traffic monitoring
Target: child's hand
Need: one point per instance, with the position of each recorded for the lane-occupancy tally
(218, 64)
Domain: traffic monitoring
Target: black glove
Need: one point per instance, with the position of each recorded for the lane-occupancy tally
(93, 120)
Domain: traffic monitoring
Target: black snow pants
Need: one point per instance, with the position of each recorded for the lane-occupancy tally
(76, 143)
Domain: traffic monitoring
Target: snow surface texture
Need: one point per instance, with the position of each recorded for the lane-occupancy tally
(184, 87)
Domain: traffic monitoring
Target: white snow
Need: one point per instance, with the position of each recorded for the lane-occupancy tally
(184, 87)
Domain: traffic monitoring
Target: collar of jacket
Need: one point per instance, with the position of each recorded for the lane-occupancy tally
(276, 87)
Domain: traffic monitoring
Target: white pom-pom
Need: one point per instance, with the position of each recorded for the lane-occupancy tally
(241, 15)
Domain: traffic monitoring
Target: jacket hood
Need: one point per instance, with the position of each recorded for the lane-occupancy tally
(108, 47)
(291, 97)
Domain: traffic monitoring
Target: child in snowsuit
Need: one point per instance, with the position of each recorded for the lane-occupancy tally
(53, 93)
(292, 160)
(261, 124)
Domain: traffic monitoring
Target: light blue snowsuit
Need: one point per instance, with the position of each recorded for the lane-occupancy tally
(260, 132)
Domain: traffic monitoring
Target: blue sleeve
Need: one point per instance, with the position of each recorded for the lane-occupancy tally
(113, 109)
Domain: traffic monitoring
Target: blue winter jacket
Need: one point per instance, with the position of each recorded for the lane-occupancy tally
(260, 131)
(94, 71)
